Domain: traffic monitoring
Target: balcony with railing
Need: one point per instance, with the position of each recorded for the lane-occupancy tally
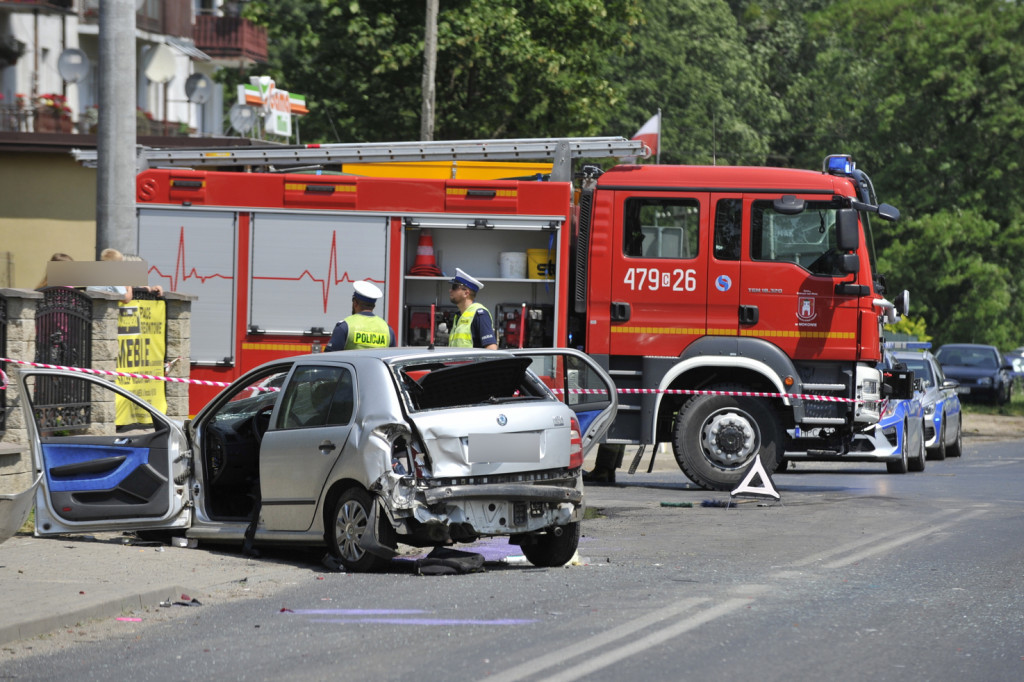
(49, 114)
(231, 40)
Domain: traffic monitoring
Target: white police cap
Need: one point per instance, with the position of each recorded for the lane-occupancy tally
(367, 292)
(462, 278)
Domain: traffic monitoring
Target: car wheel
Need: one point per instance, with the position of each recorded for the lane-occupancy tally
(917, 464)
(351, 517)
(938, 453)
(553, 548)
(956, 448)
(900, 465)
(718, 436)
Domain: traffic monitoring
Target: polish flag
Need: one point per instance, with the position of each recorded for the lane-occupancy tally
(650, 133)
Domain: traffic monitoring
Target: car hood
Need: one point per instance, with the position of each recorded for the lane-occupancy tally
(963, 372)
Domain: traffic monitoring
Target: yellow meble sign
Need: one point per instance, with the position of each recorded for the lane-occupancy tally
(141, 343)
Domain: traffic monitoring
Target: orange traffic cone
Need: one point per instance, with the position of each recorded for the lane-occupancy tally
(425, 265)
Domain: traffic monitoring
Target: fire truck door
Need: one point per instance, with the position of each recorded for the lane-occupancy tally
(789, 276)
(659, 272)
(724, 266)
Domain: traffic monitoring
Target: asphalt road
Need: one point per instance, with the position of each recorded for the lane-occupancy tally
(855, 574)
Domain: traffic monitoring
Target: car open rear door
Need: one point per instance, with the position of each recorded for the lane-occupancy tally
(98, 475)
(581, 384)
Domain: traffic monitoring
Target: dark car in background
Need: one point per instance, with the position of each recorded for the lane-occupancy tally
(982, 371)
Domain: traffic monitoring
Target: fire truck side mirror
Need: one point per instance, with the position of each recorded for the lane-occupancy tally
(850, 263)
(847, 230)
(888, 212)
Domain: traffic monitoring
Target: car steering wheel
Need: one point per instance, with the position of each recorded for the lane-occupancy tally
(261, 421)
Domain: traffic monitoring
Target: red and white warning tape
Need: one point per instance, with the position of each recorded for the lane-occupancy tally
(685, 391)
(577, 391)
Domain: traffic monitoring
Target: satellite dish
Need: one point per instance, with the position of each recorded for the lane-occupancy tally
(198, 88)
(73, 65)
(159, 64)
(242, 117)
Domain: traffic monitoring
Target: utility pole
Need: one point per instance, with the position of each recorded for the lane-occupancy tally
(429, 69)
(115, 139)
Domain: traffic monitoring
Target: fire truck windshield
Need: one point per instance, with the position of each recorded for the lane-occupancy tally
(807, 238)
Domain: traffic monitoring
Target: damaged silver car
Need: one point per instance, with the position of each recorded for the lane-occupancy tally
(358, 450)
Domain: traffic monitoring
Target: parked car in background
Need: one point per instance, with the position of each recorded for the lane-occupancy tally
(982, 371)
(355, 450)
(942, 425)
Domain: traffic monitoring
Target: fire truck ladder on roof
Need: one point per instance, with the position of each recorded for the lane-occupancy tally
(561, 151)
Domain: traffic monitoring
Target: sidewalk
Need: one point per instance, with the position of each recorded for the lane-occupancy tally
(53, 583)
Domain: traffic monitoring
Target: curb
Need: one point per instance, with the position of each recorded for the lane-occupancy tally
(106, 608)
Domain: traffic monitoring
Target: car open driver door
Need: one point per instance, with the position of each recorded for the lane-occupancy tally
(98, 475)
(579, 382)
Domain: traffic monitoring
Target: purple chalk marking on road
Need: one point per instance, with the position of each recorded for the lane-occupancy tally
(356, 612)
(424, 621)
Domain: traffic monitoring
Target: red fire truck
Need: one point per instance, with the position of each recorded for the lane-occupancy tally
(694, 286)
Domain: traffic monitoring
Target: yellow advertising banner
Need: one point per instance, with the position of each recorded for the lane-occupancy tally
(142, 346)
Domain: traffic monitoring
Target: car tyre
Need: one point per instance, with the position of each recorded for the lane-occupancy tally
(938, 453)
(900, 465)
(718, 436)
(917, 464)
(351, 519)
(956, 448)
(552, 549)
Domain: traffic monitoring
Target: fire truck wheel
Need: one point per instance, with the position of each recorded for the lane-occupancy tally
(553, 548)
(718, 436)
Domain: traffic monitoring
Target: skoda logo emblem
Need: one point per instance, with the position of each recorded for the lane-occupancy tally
(502, 420)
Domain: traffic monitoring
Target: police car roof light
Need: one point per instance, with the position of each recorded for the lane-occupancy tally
(908, 345)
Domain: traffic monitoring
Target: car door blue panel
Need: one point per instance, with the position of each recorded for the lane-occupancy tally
(67, 470)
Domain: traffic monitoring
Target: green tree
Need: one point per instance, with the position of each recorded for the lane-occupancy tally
(927, 94)
(690, 60)
(505, 68)
(966, 295)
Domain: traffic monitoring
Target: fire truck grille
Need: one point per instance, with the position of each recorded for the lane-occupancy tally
(823, 410)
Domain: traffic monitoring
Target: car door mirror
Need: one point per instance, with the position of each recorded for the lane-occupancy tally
(950, 383)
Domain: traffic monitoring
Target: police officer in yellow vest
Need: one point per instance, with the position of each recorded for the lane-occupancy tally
(362, 329)
(473, 327)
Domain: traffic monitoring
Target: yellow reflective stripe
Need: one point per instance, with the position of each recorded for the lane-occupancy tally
(291, 347)
(797, 334)
(301, 186)
(764, 334)
(461, 191)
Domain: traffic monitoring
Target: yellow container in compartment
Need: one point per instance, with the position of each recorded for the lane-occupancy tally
(540, 264)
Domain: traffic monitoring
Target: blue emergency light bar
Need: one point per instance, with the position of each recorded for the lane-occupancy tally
(839, 164)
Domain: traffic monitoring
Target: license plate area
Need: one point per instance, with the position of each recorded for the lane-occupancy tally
(504, 447)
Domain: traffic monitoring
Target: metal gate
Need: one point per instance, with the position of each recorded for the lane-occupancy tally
(63, 337)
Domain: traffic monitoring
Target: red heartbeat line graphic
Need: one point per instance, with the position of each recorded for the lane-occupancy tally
(181, 271)
(332, 278)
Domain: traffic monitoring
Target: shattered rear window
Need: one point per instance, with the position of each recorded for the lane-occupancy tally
(445, 384)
